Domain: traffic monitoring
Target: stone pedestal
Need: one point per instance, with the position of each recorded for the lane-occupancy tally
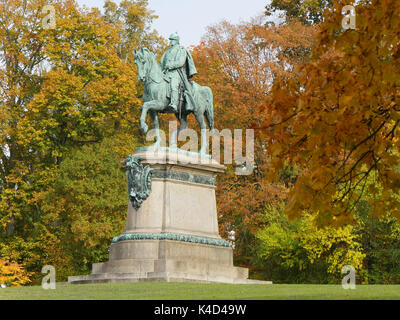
(173, 236)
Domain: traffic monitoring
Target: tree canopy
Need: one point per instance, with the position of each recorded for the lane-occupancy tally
(323, 101)
(338, 121)
(65, 90)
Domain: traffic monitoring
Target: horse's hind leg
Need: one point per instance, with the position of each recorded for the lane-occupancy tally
(175, 134)
(183, 123)
(203, 128)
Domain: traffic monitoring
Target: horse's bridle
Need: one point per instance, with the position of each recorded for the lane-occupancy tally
(148, 77)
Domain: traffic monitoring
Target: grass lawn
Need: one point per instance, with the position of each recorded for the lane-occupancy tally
(195, 291)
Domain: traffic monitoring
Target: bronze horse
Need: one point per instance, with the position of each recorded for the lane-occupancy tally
(156, 100)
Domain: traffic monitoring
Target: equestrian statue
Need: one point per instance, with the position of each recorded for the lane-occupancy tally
(168, 89)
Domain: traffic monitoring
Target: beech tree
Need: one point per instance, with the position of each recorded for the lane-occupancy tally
(307, 11)
(240, 63)
(62, 89)
(339, 121)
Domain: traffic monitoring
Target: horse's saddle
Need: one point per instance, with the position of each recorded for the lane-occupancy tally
(183, 95)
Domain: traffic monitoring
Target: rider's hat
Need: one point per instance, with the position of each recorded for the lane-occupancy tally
(174, 36)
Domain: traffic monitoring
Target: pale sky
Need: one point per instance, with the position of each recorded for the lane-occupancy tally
(191, 17)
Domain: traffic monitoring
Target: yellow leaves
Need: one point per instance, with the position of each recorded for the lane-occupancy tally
(323, 241)
(301, 245)
(13, 274)
(395, 115)
(62, 89)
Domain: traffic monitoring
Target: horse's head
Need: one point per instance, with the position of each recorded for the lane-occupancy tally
(143, 60)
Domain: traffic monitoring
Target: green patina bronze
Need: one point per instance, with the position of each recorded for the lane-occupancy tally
(183, 176)
(172, 236)
(139, 180)
(167, 89)
(178, 66)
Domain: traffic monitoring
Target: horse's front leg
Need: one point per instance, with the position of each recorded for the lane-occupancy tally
(143, 126)
(154, 118)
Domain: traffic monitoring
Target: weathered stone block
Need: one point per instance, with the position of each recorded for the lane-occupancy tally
(173, 236)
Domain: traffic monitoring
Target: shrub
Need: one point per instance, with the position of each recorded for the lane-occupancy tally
(13, 274)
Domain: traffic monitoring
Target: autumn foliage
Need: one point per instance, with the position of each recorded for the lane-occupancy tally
(338, 121)
(13, 274)
(65, 92)
(240, 63)
(323, 101)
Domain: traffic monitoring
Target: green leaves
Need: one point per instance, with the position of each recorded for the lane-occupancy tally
(307, 11)
(299, 251)
(64, 89)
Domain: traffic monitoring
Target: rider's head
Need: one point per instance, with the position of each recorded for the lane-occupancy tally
(174, 39)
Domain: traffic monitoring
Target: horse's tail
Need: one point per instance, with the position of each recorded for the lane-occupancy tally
(209, 111)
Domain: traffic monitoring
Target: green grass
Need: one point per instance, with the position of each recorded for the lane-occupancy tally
(194, 291)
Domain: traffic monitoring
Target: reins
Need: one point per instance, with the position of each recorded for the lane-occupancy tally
(150, 59)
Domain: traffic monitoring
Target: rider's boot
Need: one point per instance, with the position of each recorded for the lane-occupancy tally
(174, 100)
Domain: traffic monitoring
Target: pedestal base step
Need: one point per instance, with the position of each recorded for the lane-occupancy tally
(167, 260)
(169, 270)
(158, 277)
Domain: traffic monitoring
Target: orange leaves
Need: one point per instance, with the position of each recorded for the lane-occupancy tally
(345, 107)
(240, 63)
(276, 149)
